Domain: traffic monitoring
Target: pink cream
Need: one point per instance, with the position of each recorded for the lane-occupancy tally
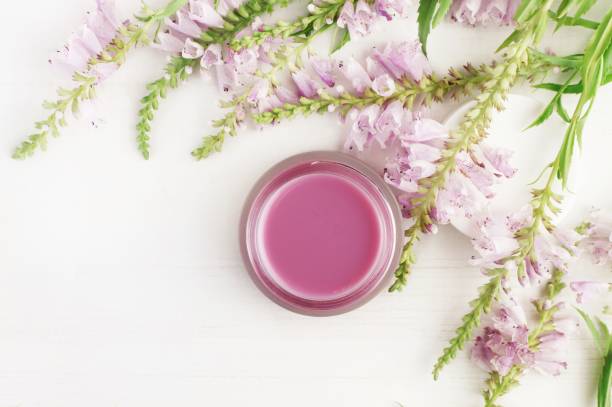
(321, 233)
(321, 236)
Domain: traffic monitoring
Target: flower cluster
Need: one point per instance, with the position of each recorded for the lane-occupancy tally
(89, 41)
(358, 18)
(183, 29)
(506, 342)
(483, 12)
(495, 240)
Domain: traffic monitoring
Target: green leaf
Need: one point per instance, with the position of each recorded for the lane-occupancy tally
(601, 338)
(341, 37)
(509, 40)
(603, 389)
(561, 110)
(441, 12)
(425, 15)
(564, 7)
(556, 87)
(569, 61)
(548, 111)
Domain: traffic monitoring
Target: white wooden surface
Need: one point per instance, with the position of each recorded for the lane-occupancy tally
(121, 283)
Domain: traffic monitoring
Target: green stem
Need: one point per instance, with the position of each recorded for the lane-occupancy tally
(127, 37)
(324, 14)
(470, 132)
(179, 68)
(68, 101)
(498, 385)
(287, 56)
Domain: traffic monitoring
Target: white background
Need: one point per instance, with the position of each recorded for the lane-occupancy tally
(121, 282)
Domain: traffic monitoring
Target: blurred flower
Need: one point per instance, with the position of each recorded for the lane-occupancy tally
(598, 240)
(588, 290)
(482, 12)
(90, 39)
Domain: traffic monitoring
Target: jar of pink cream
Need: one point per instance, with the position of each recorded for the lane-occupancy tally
(321, 233)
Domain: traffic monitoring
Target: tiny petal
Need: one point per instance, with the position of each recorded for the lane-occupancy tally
(356, 74)
(383, 85)
(192, 50)
(325, 69)
(305, 84)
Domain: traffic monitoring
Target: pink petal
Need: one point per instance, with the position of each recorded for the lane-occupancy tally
(356, 74)
(325, 69)
(204, 13)
(305, 84)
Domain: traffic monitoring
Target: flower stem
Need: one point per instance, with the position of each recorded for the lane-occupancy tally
(470, 132)
(127, 37)
(69, 100)
(498, 385)
(324, 14)
(179, 68)
(488, 293)
(286, 56)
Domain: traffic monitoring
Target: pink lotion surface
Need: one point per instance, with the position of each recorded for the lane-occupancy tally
(320, 236)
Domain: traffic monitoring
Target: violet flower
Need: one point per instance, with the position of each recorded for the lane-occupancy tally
(483, 12)
(504, 343)
(90, 39)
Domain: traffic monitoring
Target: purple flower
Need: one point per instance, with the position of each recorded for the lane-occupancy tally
(357, 18)
(286, 95)
(389, 123)
(504, 343)
(588, 290)
(325, 69)
(90, 39)
(476, 173)
(499, 159)
(403, 59)
(355, 74)
(182, 24)
(482, 12)
(305, 84)
(389, 9)
(203, 12)
(192, 50)
(258, 91)
(362, 127)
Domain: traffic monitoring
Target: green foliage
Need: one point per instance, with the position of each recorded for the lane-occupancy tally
(178, 70)
(341, 38)
(426, 12)
(68, 102)
(481, 305)
(227, 125)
